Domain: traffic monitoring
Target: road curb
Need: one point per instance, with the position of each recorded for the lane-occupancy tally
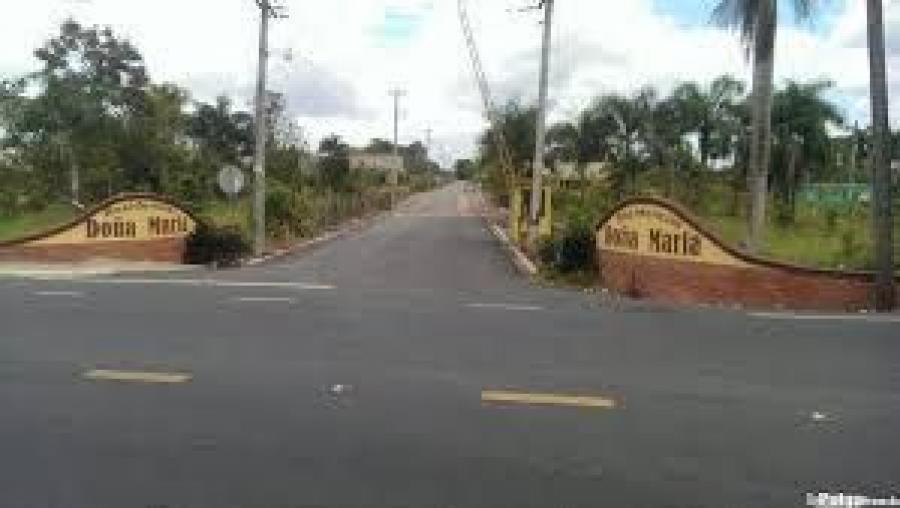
(524, 265)
(519, 259)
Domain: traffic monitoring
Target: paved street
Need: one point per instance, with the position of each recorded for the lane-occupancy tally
(354, 376)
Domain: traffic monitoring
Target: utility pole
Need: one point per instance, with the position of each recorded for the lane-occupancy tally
(885, 294)
(76, 181)
(396, 93)
(266, 11)
(538, 161)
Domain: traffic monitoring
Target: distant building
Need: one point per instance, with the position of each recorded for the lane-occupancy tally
(376, 161)
(568, 171)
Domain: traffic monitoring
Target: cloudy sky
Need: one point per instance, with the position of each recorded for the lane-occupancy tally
(336, 59)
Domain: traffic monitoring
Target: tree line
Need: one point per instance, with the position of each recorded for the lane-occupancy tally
(685, 131)
(90, 122)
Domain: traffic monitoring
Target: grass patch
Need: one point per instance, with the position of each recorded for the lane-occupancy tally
(17, 226)
(237, 213)
(810, 241)
(580, 279)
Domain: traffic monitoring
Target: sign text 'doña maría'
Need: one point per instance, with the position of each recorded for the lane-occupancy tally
(649, 229)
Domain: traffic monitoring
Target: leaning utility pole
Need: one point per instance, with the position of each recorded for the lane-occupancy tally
(881, 172)
(538, 161)
(266, 11)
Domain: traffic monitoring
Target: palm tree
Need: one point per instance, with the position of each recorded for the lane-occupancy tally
(562, 142)
(709, 112)
(801, 116)
(757, 21)
(884, 255)
(628, 142)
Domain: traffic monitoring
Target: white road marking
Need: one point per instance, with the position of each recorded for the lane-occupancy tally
(870, 318)
(817, 416)
(70, 294)
(504, 306)
(295, 285)
(131, 376)
(213, 283)
(546, 399)
(265, 299)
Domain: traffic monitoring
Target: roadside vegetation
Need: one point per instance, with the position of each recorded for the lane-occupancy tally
(692, 146)
(774, 168)
(91, 123)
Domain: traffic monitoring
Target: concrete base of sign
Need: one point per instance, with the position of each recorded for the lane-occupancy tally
(650, 248)
(131, 227)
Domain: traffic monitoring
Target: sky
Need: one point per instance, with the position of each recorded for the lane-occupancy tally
(336, 60)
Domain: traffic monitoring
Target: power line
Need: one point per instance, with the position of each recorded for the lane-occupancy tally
(490, 111)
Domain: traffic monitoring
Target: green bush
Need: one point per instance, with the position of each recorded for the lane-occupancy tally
(576, 250)
(222, 246)
(548, 250)
(288, 213)
(573, 251)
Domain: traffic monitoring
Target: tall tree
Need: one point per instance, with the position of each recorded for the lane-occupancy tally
(517, 122)
(757, 21)
(90, 86)
(334, 161)
(709, 112)
(415, 157)
(596, 131)
(464, 169)
(801, 117)
(562, 143)
(666, 139)
(630, 139)
(223, 134)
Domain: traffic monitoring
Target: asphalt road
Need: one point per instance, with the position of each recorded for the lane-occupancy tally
(353, 376)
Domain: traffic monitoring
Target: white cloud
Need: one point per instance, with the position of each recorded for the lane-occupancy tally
(347, 55)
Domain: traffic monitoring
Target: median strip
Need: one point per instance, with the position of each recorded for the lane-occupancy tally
(132, 376)
(546, 399)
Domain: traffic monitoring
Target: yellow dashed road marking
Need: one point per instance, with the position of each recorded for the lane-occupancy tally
(549, 399)
(132, 376)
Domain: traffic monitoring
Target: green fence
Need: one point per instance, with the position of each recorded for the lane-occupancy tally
(836, 195)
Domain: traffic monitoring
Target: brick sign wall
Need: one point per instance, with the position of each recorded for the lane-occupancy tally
(135, 227)
(652, 248)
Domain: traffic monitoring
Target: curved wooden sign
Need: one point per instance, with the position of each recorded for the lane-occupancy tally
(128, 226)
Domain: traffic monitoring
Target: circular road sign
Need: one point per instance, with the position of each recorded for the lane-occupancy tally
(231, 180)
